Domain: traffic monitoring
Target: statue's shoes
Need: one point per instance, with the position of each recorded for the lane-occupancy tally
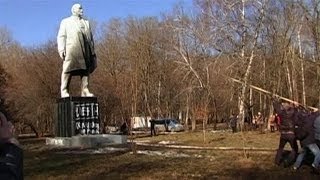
(65, 94)
(86, 94)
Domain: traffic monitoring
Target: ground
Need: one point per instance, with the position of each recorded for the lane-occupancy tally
(185, 155)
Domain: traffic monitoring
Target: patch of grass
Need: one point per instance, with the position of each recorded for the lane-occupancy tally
(221, 139)
(43, 162)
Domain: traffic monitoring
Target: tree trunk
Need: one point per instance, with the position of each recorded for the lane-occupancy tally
(215, 114)
(294, 76)
(245, 79)
(158, 99)
(304, 102)
(193, 124)
(186, 125)
(289, 81)
(243, 91)
(250, 59)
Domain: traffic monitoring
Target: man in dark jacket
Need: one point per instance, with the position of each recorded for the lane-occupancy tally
(288, 115)
(152, 128)
(316, 126)
(124, 128)
(233, 123)
(11, 156)
(305, 133)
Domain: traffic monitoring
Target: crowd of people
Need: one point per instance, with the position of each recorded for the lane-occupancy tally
(297, 124)
(257, 122)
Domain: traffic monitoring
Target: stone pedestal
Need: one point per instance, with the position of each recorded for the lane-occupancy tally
(87, 141)
(77, 116)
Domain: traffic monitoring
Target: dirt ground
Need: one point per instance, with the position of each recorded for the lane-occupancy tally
(186, 155)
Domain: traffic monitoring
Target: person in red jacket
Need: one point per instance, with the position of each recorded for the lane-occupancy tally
(277, 120)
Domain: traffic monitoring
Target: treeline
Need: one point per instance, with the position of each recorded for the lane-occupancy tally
(179, 64)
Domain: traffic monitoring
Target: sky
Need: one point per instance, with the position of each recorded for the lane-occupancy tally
(34, 22)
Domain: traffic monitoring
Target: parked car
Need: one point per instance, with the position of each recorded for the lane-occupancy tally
(168, 124)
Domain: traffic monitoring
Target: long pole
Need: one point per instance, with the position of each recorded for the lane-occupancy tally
(272, 94)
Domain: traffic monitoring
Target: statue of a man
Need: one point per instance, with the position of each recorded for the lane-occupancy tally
(76, 49)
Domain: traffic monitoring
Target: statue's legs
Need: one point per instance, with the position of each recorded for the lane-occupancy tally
(84, 87)
(65, 81)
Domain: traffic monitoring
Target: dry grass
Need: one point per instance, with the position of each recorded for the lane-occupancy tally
(222, 139)
(42, 162)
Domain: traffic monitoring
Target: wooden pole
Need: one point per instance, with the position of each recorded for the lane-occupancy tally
(272, 94)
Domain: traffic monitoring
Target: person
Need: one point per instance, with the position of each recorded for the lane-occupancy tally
(124, 128)
(277, 120)
(233, 123)
(11, 155)
(316, 126)
(152, 128)
(76, 49)
(272, 122)
(305, 133)
(288, 116)
(260, 121)
(254, 122)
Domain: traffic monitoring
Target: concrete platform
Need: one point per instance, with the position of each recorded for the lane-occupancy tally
(87, 141)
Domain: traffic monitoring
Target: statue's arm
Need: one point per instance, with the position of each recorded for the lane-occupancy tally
(61, 39)
(92, 41)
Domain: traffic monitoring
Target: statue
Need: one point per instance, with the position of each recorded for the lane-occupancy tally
(76, 49)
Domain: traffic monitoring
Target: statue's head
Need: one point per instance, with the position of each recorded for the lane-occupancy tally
(77, 10)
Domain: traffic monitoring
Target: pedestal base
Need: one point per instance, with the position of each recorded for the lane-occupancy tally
(87, 141)
(77, 115)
